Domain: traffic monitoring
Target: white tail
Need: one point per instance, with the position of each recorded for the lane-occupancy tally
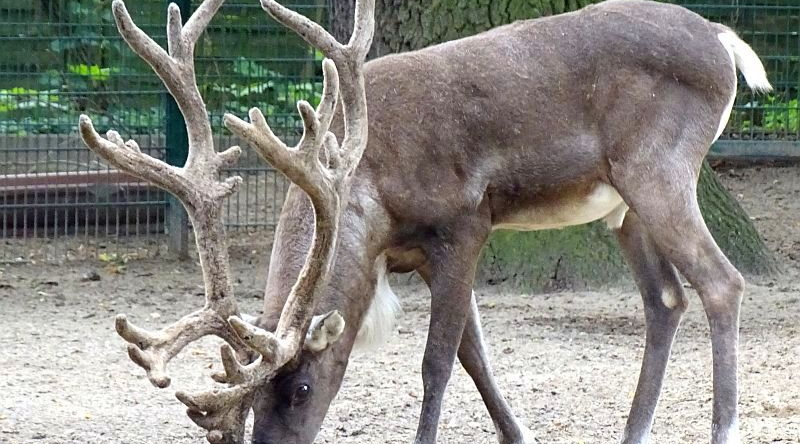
(747, 61)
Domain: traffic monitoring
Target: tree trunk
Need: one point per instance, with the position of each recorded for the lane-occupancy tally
(731, 226)
(341, 14)
(404, 25)
(573, 257)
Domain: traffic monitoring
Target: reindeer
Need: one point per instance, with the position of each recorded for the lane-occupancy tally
(605, 113)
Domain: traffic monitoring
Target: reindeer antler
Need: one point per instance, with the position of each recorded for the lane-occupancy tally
(223, 411)
(196, 185)
(327, 185)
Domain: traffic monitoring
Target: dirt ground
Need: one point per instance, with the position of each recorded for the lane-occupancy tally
(567, 361)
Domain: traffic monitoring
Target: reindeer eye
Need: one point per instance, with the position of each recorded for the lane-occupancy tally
(301, 394)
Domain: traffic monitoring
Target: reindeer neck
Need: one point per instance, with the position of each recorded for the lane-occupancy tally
(351, 282)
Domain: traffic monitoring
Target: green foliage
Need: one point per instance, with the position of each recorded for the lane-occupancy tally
(86, 36)
(779, 115)
(92, 72)
(91, 19)
(774, 115)
(252, 84)
(17, 104)
(24, 99)
(271, 90)
(55, 109)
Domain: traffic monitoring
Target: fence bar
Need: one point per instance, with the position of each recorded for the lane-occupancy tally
(177, 141)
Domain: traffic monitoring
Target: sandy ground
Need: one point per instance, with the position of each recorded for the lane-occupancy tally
(567, 361)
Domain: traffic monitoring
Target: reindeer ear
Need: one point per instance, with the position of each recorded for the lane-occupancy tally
(324, 331)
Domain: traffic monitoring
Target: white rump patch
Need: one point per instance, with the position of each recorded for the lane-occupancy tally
(742, 57)
(378, 323)
(726, 39)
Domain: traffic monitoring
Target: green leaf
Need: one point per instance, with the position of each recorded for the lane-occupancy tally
(93, 72)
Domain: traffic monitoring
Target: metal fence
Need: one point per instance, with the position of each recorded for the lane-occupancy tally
(762, 126)
(64, 57)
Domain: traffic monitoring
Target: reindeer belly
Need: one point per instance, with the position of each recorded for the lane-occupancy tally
(602, 202)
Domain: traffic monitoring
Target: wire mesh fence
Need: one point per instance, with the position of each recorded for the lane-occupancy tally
(64, 57)
(762, 125)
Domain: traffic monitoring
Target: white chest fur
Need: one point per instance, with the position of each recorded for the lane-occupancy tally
(378, 323)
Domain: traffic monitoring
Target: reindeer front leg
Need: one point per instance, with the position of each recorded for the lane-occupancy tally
(474, 358)
(450, 272)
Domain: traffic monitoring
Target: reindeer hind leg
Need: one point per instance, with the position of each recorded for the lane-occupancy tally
(664, 304)
(665, 200)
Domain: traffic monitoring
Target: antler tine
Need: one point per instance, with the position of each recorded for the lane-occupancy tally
(222, 412)
(141, 43)
(175, 44)
(175, 67)
(330, 94)
(127, 156)
(314, 34)
(200, 19)
(316, 123)
(363, 30)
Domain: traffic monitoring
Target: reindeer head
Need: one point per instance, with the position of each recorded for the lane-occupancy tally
(290, 407)
(261, 366)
